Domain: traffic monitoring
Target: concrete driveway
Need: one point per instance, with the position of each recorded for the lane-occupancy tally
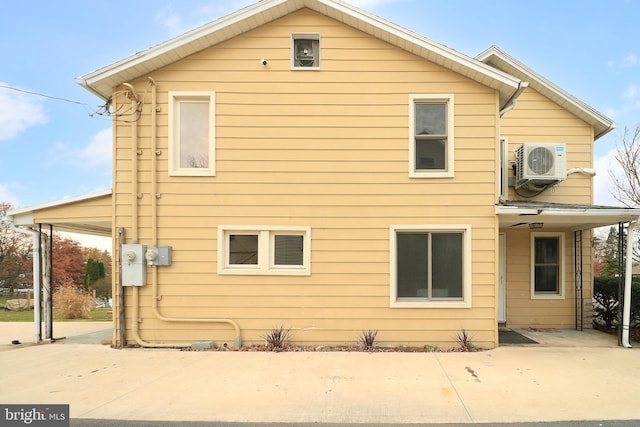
(517, 383)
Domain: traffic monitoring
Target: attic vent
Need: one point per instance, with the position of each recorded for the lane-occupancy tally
(540, 164)
(305, 51)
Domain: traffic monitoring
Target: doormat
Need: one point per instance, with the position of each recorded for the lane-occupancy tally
(508, 336)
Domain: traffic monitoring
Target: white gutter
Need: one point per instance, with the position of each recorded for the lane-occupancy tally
(626, 315)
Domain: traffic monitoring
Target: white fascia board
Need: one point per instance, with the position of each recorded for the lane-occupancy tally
(96, 81)
(420, 41)
(90, 79)
(549, 89)
(65, 201)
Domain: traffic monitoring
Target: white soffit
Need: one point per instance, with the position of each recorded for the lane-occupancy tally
(102, 81)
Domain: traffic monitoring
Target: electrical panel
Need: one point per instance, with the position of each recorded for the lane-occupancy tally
(134, 266)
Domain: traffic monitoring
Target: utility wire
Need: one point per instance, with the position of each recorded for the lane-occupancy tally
(43, 95)
(102, 112)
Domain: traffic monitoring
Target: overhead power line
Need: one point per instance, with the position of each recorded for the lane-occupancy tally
(43, 95)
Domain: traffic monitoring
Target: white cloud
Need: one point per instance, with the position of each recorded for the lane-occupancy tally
(6, 195)
(98, 151)
(631, 92)
(18, 113)
(603, 186)
(630, 60)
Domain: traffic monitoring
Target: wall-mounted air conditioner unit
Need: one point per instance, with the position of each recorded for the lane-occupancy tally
(540, 164)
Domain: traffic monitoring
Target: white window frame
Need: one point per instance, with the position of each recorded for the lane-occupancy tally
(561, 281)
(266, 251)
(175, 98)
(304, 36)
(465, 302)
(448, 172)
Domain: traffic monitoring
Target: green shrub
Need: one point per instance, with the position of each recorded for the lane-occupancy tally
(607, 300)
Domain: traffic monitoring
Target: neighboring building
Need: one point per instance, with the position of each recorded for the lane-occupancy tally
(313, 166)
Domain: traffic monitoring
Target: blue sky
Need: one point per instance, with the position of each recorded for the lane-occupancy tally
(51, 149)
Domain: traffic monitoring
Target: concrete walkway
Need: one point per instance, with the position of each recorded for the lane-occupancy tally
(512, 383)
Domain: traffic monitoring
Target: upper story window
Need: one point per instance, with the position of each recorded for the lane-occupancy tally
(431, 142)
(305, 51)
(192, 133)
(547, 265)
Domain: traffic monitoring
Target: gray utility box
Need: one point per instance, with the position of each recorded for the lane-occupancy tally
(134, 265)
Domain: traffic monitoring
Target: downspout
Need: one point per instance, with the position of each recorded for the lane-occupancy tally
(154, 243)
(626, 314)
(511, 102)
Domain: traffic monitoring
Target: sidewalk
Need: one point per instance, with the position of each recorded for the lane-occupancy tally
(508, 384)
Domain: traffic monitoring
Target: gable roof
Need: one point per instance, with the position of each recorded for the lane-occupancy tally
(499, 59)
(102, 81)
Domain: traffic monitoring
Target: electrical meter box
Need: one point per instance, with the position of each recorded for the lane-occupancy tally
(134, 266)
(158, 255)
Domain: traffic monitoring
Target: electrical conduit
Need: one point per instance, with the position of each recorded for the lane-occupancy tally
(154, 242)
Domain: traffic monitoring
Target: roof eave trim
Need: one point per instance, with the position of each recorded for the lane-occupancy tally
(60, 202)
(605, 123)
(504, 82)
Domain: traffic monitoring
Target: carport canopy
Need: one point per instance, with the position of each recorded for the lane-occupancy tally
(515, 214)
(87, 214)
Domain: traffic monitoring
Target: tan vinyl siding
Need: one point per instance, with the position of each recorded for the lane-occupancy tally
(537, 119)
(325, 149)
(97, 209)
(522, 310)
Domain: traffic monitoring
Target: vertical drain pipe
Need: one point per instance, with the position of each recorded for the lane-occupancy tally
(154, 230)
(626, 315)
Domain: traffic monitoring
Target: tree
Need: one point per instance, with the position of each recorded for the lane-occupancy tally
(627, 182)
(15, 252)
(98, 271)
(68, 264)
(609, 266)
(627, 185)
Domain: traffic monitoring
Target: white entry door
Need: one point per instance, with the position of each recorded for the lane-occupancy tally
(502, 283)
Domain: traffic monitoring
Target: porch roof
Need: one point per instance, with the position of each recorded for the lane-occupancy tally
(514, 214)
(87, 214)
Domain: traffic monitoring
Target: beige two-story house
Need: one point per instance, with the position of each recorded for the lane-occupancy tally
(303, 163)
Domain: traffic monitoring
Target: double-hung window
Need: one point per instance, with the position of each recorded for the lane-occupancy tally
(547, 266)
(192, 134)
(431, 266)
(431, 145)
(264, 250)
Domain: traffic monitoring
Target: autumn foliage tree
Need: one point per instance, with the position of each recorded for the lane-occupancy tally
(68, 264)
(15, 252)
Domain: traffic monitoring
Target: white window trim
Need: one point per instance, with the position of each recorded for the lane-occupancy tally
(561, 284)
(266, 243)
(440, 97)
(308, 36)
(466, 301)
(174, 130)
